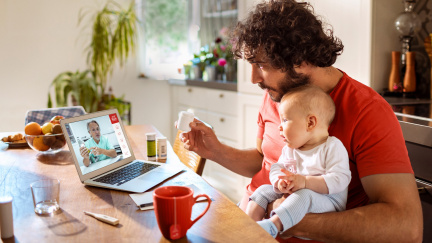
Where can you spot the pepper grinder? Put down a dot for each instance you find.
(409, 82)
(394, 78)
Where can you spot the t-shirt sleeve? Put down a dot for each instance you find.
(337, 172)
(379, 146)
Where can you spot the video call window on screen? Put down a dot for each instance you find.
(98, 134)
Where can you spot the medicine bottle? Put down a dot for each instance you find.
(82, 144)
(151, 146)
(161, 147)
(185, 118)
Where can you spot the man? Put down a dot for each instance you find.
(98, 145)
(287, 47)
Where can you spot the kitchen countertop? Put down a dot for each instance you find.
(222, 85)
(415, 118)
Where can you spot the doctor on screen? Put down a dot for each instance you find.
(97, 148)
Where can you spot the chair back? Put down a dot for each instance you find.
(191, 159)
(44, 115)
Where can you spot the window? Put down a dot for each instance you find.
(176, 29)
(169, 35)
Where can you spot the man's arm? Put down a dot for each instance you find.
(394, 215)
(110, 153)
(202, 140)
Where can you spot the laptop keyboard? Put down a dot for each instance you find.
(127, 173)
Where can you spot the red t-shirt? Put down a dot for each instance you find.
(366, 125)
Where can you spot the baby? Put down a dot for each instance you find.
(316, 172)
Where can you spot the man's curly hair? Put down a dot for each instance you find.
(288, 33)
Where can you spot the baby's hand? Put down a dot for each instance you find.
(294, 182)
(283, 186)
(287, 172)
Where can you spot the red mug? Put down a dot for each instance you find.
(173, 210)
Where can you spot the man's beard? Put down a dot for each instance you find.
(286, 85)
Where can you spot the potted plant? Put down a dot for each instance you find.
(113, 39)
(81, 86)
(114, 36)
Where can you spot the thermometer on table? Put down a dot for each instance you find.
(103, 218)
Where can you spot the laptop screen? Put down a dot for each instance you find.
(97, 142)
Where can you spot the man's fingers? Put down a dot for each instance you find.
(200, 126)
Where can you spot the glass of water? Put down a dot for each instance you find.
(46, 194)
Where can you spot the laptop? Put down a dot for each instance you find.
(116, 168)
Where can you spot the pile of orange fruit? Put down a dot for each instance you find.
(47, 136)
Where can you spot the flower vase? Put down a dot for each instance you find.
(231, 71)
(187, 71)
(196, 72)
(211, 73)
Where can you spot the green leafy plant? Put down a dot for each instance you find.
(81, 86)
(114, 36)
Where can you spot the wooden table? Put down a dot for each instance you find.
(224, 222)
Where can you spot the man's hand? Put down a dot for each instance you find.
(84, 152)
(201, 139)
(98, 151)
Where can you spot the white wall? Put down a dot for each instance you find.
(350, 22)
(40, 39)
(366, 28)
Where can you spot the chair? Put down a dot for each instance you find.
(191, 159)
(44, 115)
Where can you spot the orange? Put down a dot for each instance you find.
(39, 144)
(33, 128)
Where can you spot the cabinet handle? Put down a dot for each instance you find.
(222, 119)
(190, 90)
(221, 95)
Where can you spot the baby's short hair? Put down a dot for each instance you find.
(312, 99)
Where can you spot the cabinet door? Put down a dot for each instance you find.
(229, 183)
(247, 119)
(222, 101)
(223, 125)
(192, 96)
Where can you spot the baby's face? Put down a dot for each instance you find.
(293, 127)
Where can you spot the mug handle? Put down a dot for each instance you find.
(205, 210)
